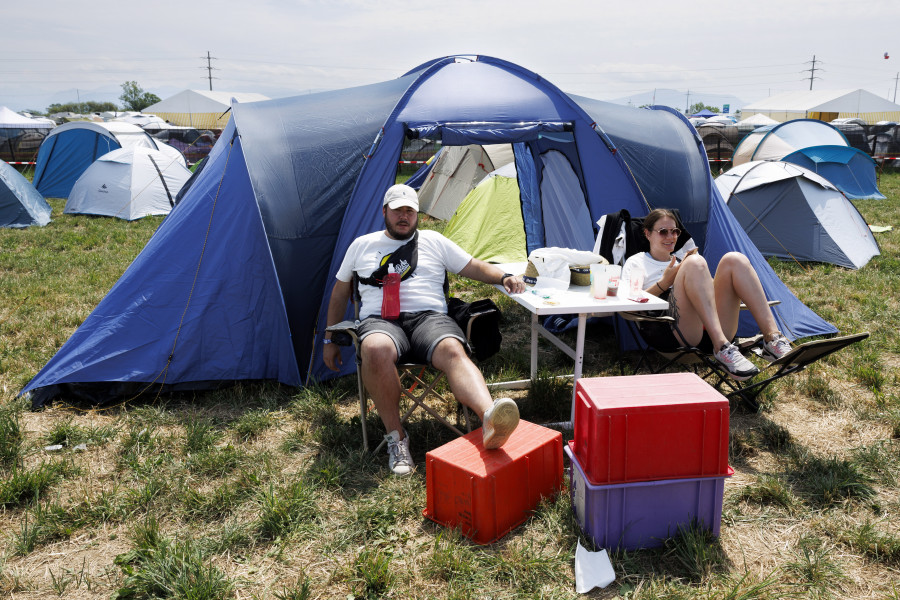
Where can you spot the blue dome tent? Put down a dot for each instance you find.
(243, 266)
(851, 170)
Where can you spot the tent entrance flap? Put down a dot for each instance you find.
(485, 132)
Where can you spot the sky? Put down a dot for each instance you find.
(55, 52)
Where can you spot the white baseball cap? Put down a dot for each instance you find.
(401, 195)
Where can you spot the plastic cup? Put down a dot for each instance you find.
(599, 281)
(636, 285)
(615, 274)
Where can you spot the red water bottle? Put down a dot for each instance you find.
(390, 290)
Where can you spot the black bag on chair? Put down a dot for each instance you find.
(480, 321)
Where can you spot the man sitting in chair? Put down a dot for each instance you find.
(704, 308)
(423, 332)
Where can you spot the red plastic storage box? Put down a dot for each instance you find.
(486, 493)
(648, 427)
(630, 516)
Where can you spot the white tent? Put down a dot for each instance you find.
(791, 213)
(13, 120)
(456, 172)
(198, 108)
(144, 121)
(128, 183)
(826, 105)
(757, 120)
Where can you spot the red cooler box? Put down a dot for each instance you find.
(486, 493)
(650, 427)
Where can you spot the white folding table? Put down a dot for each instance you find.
(574, 300)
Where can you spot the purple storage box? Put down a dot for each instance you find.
(629, 516)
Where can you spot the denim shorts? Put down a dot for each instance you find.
(662, 336)
(415, 334)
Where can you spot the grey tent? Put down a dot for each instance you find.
(456, 172)
(791, 213)
(20, 204)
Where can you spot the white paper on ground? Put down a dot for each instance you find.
(592, 569)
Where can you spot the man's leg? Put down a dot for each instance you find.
(379, 373)
(465, 378)
(499, 418)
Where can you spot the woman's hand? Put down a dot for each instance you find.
(668, 276)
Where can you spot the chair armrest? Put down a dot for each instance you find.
(641, 317)
(344, 333)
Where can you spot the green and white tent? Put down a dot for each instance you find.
(489, 223)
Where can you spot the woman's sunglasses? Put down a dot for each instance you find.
(664, 232)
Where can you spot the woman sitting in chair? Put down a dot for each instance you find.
(704, 308)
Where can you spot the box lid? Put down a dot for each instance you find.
(634, 392)
(468, 452)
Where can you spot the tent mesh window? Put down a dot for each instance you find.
(20, 145)
(720, 143)
(857, 135)
(414, 154)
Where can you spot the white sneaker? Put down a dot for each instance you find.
(777, 347)
(399, 458)
(738, 366)
(500, 421)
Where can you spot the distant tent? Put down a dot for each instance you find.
(774, 142)
(199, 108)
(886, 144)
(70, 149)
(129, 183)
(20, 137)
(826, 105)
(455, 172)
(146, 122)
(851, 170)
(757, 120)
(20, 204)
(719, 141)
(704, 113)
(791, 213)
(856, 131)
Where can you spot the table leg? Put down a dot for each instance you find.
(534, 345)
(579, 359)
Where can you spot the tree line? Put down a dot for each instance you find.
(133, 98)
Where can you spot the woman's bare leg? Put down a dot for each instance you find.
(736, 280)
(695, 300)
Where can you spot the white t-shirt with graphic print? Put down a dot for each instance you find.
(424, 289)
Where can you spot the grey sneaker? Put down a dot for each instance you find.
(735, 363)
(399, 459)
(777, 347)
(500, 421)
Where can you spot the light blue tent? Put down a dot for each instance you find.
(851, 170)
(20, 204)
(235, 283)
(68, 150)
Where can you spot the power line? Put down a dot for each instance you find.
(812, 72)
(209, 68)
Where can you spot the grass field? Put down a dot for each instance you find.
(261, 491)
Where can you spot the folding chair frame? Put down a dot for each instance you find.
(800, 357)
